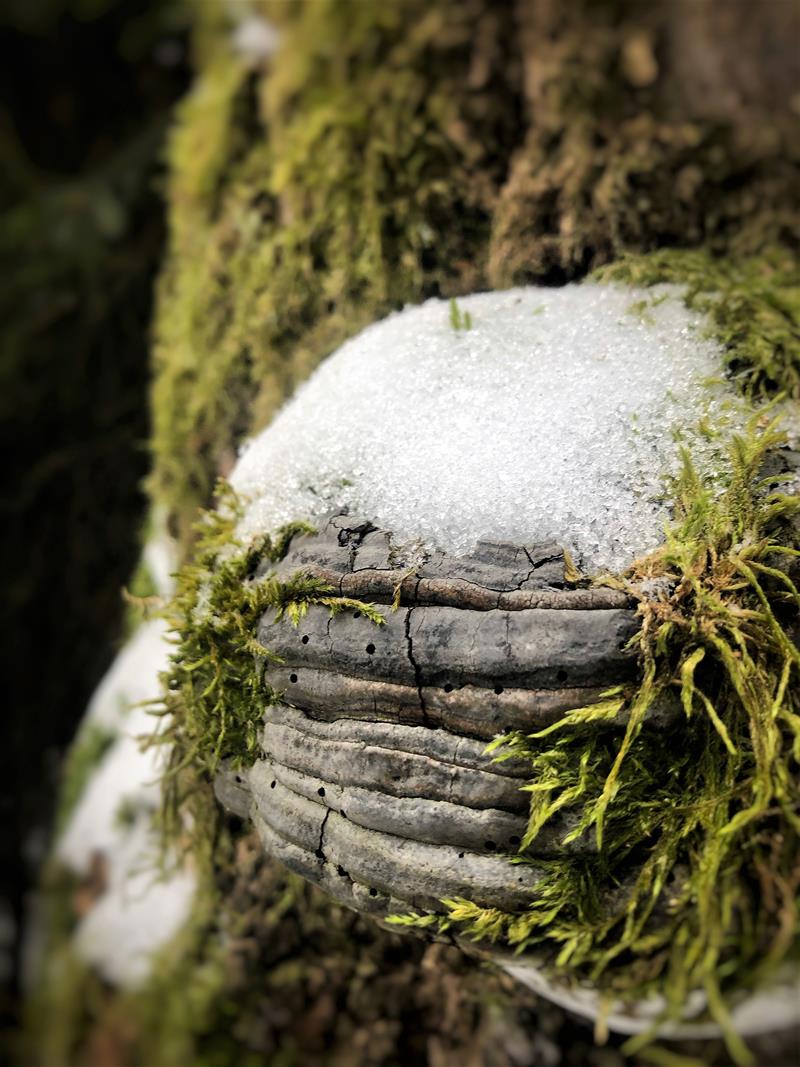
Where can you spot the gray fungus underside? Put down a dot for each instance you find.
(375, 783)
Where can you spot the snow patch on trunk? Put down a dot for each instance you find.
(146, 897)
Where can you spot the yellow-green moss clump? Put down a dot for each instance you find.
(694, 886)
(697, 882)
(753, 306)
(354, 174)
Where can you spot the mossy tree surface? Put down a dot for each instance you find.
(384, 154)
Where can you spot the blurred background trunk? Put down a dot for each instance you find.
(87, 92)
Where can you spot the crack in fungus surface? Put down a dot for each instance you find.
(415, 665)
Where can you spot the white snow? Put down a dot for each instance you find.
(255, 39)
(142, 906)
(552, 418)
(770, 1010)
(131, 678)
(127, 775)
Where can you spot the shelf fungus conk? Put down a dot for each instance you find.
(375, 782)
(464, 466)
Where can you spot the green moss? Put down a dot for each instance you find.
(459, 320)
(753, 306)
(141, 598)
(604, 168)
(695, 879)
(385, 155)
(64, 991)
(59, 1010)
(390, 152)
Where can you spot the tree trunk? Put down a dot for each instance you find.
(382, 154)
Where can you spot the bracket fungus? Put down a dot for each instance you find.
(507, 710)
(375, 781)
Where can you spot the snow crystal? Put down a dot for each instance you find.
(552, 417)
(141, 908)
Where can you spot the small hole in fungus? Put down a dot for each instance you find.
(373, 892)
(513, 840)
(356, 614)
(448, 688)
(341, 871)
(370, 649)
(321, 791)
(561, 676)
(490, 846)
(272, 784)
(461, 855)
(305, 639)
(239, 779)
(343, 814)
(320, 854)
(292, 677)
(498, 689)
